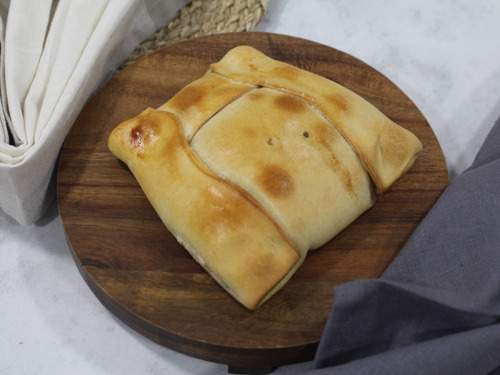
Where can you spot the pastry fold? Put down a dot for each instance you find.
(258, 162)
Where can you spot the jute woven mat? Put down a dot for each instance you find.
(203, 17)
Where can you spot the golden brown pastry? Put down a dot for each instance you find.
(258, 162)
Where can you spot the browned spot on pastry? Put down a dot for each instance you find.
(145, 133)
(252, 67)
(290, 103)
(255, 95)
(136, 136)
(345, 178)
(286, 71)
(276, 181)
(188, 97)
(327, 136)
(249, 132)
(339, 101)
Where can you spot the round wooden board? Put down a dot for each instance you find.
(140, 273)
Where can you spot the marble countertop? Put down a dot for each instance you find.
(443, 54)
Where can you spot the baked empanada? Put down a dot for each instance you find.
(258, 162)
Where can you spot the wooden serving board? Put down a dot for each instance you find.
(142, 275)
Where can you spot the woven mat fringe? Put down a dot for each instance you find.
(200, 18)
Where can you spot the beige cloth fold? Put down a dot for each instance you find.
(54, 54)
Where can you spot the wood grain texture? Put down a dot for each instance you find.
(140, 273)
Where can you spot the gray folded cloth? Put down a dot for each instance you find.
(436, 309)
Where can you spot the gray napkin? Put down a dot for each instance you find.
(436, 309)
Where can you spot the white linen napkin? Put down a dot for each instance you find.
(53, 56)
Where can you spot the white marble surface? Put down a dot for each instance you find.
(443, 54)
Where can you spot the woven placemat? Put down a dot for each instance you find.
(200, 18)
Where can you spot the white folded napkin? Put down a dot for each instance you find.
(53, 56)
